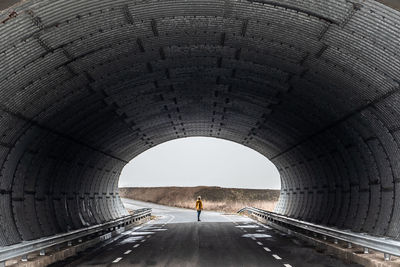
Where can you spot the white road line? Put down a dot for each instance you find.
(127, 252)
(148, 236)
(137, 228)
(265, 226)
(253, 238)
(259, 243)
(135, 246)
(170, 220)
(143, 240)
(287, 265)
(276, 257)
(117, 260)
(267, 249)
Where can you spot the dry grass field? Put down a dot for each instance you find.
(392, 3)
(214, 198)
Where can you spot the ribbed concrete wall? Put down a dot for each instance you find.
(86, 85)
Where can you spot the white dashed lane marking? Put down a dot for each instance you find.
(265, 226)
(135, 246)
(258, 242)
(127, 252)
(117, 260)
(276, 257)
(143, 240)
(257, 236)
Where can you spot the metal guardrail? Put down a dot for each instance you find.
(26, 247)
(387, 246)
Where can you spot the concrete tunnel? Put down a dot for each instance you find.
(87, 85)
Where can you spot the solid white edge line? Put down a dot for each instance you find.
(276, 257)
(117, 260)
(127, 252)
(267, 249)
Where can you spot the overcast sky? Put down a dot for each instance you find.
(197, 161)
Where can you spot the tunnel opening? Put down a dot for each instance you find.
(200, 161)
(87, 86)
(228, 176)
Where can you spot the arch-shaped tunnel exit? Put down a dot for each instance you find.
(87, 85)
(200, 161)
(227, 175)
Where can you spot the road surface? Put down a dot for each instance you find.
(175, 238)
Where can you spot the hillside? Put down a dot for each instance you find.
(214, 198)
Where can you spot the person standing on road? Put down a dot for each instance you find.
(199, 207)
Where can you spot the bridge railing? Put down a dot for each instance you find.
(387, 246)
(101, 231)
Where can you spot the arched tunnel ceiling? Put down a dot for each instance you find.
(87, 85)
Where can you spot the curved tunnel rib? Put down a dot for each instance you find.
(86, 86)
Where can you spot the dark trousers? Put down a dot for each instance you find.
(198, 215)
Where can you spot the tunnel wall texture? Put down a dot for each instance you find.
(87, 85)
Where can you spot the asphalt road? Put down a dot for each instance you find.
(175, 238)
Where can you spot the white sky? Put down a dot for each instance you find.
(197, 161)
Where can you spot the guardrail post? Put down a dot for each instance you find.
(2, 264)
(366, 250)
(42, 252)
(349, 245)
(69, 243)
(324, 237)
(335, 241)
(24, 258)
(387, 256)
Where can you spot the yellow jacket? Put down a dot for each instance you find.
(199, 205)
